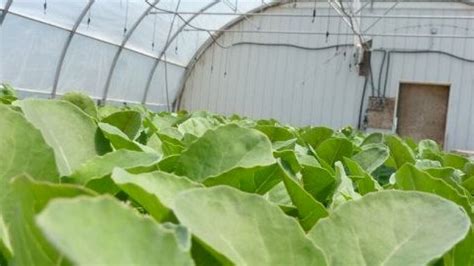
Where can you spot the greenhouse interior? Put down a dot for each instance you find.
(237, 132)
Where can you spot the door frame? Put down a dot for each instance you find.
(426, 83)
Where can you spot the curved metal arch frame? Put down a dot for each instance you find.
(206, 45)
(5, 11)
(122, 45)
(167, 45)
(66, 46)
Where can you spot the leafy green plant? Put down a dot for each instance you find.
(7, 94)
(82, 185)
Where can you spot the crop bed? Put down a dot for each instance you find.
(82, 185)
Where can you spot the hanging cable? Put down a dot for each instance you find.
(327, 25)
(314, 11)
(225, 60)
(386, 74)
(176, 46)
(361, 107)
(126, 19)
(379, 85)
(89, 17)
(212, 59)
(337, 36)
(45, 6)
(154, 33)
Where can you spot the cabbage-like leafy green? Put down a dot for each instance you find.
(391, 228)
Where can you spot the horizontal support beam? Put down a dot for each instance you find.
(340, 33)
(310, 15)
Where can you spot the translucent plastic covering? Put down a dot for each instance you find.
(117, 50)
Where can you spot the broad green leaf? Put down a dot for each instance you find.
(119, 140)
(196, 126)
(28, 197)
(289, 160)
(391, 228)
(172, 133)
(284, 145)
(344, 190)
(129, 122)
(334, 149)
(308, 157)
(166, 120)
(5, 244)
(168, 164)
(430, 155)
(155, 143)
(23, 150)
(410, 178)
(364, 181)
(84, 102)
(469, 168)
(7, 94)
(245, 228)
(449, 175)
(275, 133)
(259, 179)
(462, 253)
(469, 184)
(170, 146)
(372, 157)
(102, 166)
(374, 138)
(279, 195)
(309, 210)
(455, 161)
(203, 255)
(399, 150)
(104, 111)
(428, 145)
(223, 149)
(71, 133)
(314, 136)
(155, 191)
(318, 182)
(113, 234)
(427, 164)
(411, 143)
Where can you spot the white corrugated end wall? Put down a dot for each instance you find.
(307, 87)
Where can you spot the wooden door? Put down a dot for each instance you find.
(422, 111)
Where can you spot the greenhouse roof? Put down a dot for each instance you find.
(111, 49)
(149, 31)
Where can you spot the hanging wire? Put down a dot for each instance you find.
(45, 6)
(327, 25)
(177, 44)
(89, 17)
(154, 33)
(126, 19)
(212, 58)
(314, 12)
(226, 59)
(178, 25)
(337, 36)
